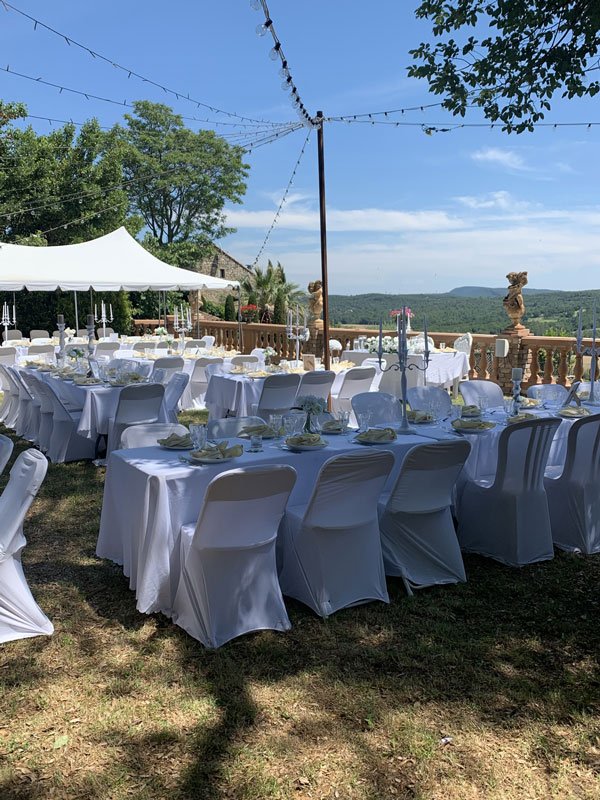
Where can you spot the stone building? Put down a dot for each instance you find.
(221, 265)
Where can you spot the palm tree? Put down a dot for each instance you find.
(266, 285)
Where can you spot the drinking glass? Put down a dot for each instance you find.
(289, 425)
(442, 345)
(364, 420)
(255, 443)
(198, 434)
(456, 411)
(275, 421)
(344, 418)
(508, 401)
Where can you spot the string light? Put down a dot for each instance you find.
(125, 104)
(179, 95)
(283, 201)
(445, 127)
(277, 52)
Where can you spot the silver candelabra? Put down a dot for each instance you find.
(592, 351)
(61, 339)
(182, 324)
(296, 332)
(6, 319)
(403, 364)
(104, 317)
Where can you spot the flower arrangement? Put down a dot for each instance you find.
(249, 312)
(69, 333)
(389, 344)
(76, 352)
(312, 406)
(407, 311)
(269, 352)
(160, 331)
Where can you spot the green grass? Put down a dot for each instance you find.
(119, 705)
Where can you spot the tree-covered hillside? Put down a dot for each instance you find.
(551, 313)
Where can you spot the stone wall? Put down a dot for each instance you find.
(221, 265)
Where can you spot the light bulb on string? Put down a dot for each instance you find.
(261, 30)
(274, 52)
(286, 84)
(284, 72)
(255, 5)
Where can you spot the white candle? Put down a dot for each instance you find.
(517, 374)
(380, 350)
(111, 312)
(425, 337)
(594, 327)
(304, 323)
(14, 314)
(579, 328)
(95, 311)
(297, 319)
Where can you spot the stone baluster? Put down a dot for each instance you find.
(483, 370)
(548, 366)
(563, 366)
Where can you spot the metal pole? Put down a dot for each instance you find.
(323, 223)
(76, 314)
(198, 314)
(240, 344)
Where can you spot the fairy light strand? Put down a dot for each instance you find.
(283, 200)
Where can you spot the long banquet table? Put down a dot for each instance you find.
(150, 493)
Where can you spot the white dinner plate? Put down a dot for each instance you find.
(301, 448)
(176, 447)
(467, 431)
(205, 461)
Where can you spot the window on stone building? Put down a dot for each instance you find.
(222, 271)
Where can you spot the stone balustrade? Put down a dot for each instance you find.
(544, 359)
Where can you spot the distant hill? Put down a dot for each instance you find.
(546, 313)
(488, 291)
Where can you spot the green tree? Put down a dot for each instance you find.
(180, 181)
(528, 51)
(279, 309)
(265, 285)
(230, 312)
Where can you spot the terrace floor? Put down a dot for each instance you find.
(488, 689)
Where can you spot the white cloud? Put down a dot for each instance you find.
(503, 158)
(501, 200)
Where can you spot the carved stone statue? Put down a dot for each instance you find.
(513, 302)
(315, 301)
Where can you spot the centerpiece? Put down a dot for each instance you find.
(312, 407)
(269, 353)
(409, 316)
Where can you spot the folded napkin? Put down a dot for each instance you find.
(471, 411)
(573, 411)
(529, 402)
(377, 435)
(260, 373)
(306, 440)
(258, 430)
(237, 370)
(472, 424)
(520, 418)
(176, 440)
(68, 376)
(332, 425)
(583, 395)
(414, 415)
(86, 381)
(218, 452)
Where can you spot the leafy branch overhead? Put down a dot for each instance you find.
(520, 54)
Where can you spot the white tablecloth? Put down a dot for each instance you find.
(150, 493)
(232, 395)
(445, 368)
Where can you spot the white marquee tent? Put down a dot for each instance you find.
(111, 262)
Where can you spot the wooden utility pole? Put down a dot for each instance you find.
(323, 224)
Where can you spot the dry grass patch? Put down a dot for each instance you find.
(484, 690)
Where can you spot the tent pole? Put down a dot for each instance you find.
(76, 313)
(240, 344)
(198, 314)
(159, 318)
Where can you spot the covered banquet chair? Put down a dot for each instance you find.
(229, 427)
(506, 516)
(137, 404)
(574, 493)
(548, 391)
(8, 355)
(384, 408)
(20, 615)
(278, 395)
(228, 583)
(9, 410)
(417, 532)
(355, 381)
(166, 367)
(433, 399)
(330, 548)
(6, 448)
(58, 428)
(9, 336)
(209, 341)
(317, 383)
(239, 361)
(195, 344)
(199, 380)
(38, 334)
(478, 392)
(173, 391)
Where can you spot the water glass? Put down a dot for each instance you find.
(275, 421)
(344, 418)
(442, 345)
(364, 420)
(289, 424)
(456, 411)
(508, 403)
(255, 443)
(198, 434)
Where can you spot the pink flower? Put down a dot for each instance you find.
(409, 313)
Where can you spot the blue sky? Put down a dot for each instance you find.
(407, 212)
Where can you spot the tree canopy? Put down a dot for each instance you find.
(524, 52)
(179, 181)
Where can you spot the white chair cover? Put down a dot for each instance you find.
(199, 380)
(38, 334)
(44, 395)
(477, 391)
(147, 435)
(356, 381)
(384, 408)
(8, 336)
(6, 448)
(209, 341)
(259, 352)
(142, 347)
(278, 395)
(464, 343)
(64, 444)
(23, 421)
(229, 427)
(137, 404)
(173, 392)
(82, 333)
(8, 355)
(356, 356)
(506, 517)
(107, 348)
(330, 549)
(543, 391)
(228, 584)
(195, 344)
(417, 532)
(317, 383)
(10, 402)
(32, 428)
(41, 350)
(249, 359)
(433, 399)
(335, 346)
(100, 332)
(20, 616)
(574, 494)
(390, 381)
(166, 367)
